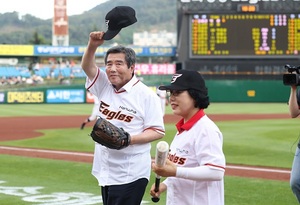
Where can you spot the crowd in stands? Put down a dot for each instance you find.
(34, 79)
(13, 75)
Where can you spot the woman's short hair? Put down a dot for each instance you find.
(201, 99)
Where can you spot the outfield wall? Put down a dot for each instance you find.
(237, 90)
(219, 91)
(247, 91)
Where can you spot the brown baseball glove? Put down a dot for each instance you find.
(108, 135)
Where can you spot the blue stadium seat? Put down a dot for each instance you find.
(43, 72)
(11, 71)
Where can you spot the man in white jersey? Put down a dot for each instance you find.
(196, 162)
(127, 103)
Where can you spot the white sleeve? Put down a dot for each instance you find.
(201, 173)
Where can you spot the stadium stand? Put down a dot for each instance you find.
(13, 75)
(66, 72)
(44, 72)
(11, 71)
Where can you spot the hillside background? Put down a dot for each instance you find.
(152, 16)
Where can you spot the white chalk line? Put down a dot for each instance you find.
(259, 169)
(47, 151)
(91, 155)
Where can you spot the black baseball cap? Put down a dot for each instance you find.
(185, 80)
(118, 18)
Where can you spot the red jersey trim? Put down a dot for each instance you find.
(181, 126)
(118, 92)
(136, 82)
(156, 130)
(124, 88)
(217, 166)
(94, 80)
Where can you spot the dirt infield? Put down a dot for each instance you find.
(27, 127)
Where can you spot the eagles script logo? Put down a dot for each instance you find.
(175, 76)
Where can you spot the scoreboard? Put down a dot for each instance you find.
(238, 39)
(239, 35)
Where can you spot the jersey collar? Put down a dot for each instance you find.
(127, 87)
(181, 126)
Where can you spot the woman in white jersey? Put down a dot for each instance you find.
(196, 163)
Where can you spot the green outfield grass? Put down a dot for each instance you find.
(264, 142)
(44, 109)
(54, 176)
(84, 109)
(252, 142)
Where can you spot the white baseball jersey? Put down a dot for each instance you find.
(135, 108)
(199, 144)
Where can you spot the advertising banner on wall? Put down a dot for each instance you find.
(25, 97)
(2, 97)
(65, 96)
(89, 97)
(42, 50)
(16, 50)
(155, 69)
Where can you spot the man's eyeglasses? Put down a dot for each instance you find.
(174, 92)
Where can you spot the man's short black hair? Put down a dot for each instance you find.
(130, 56)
